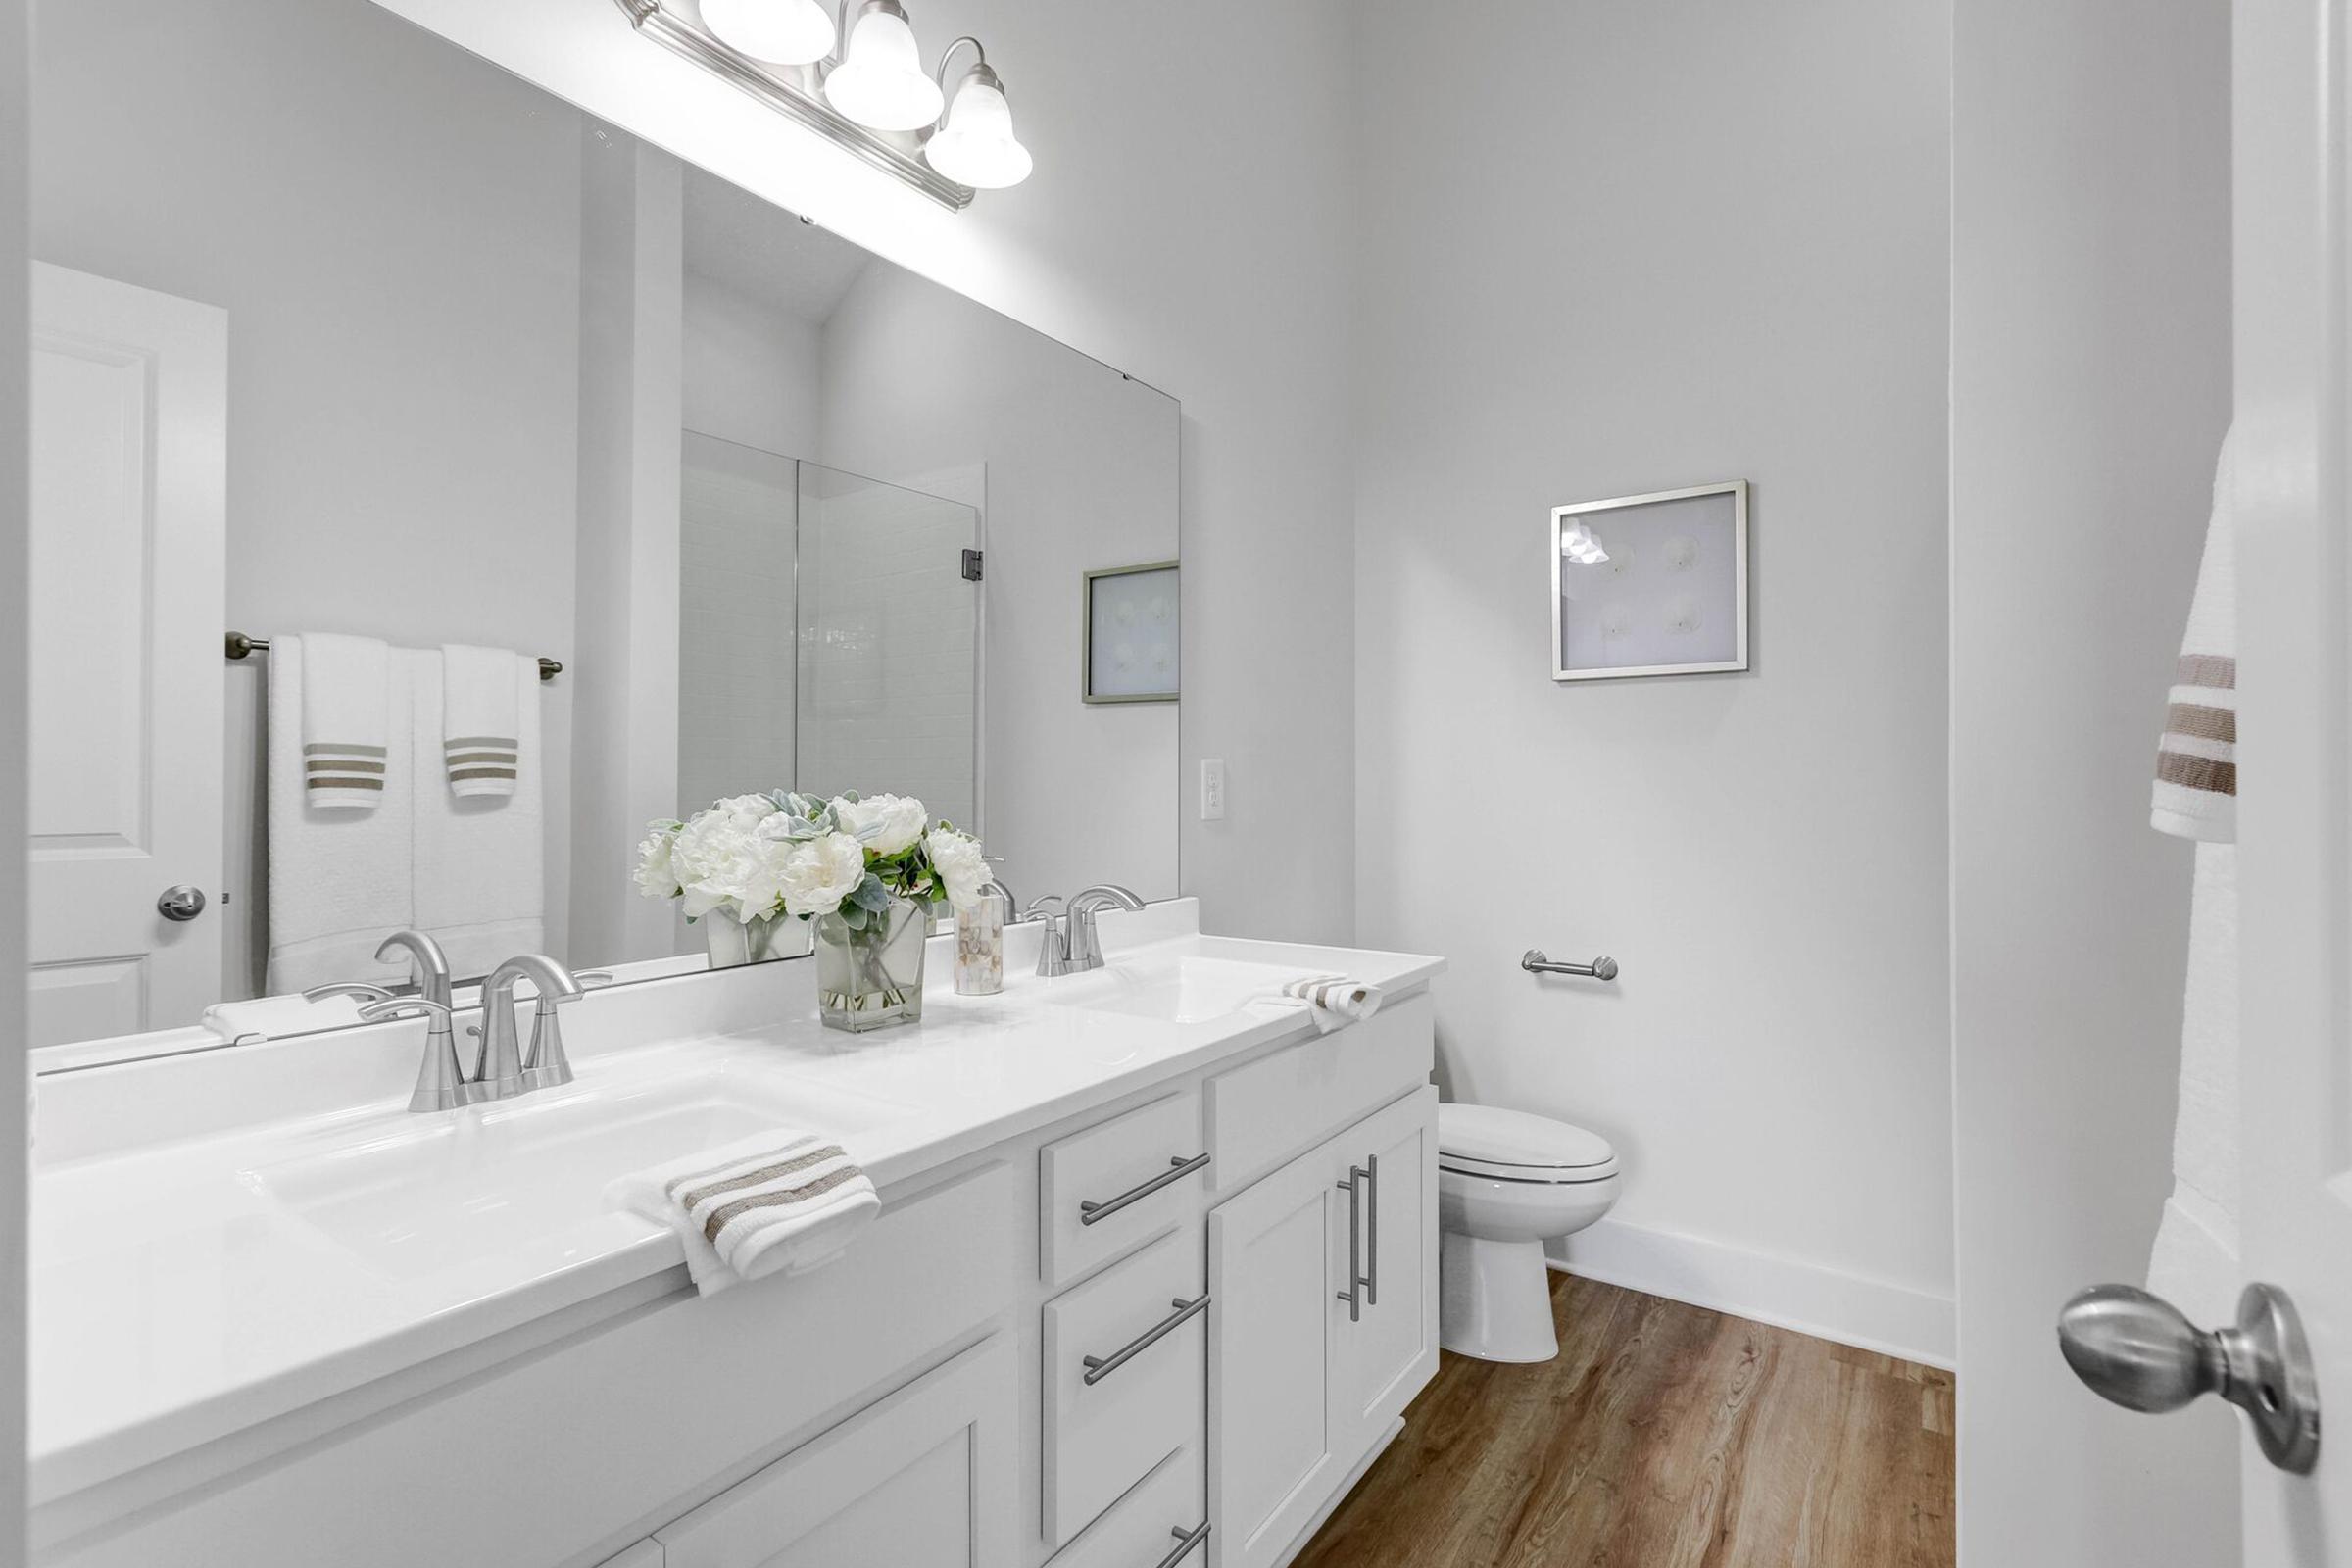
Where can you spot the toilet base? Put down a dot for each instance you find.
(1494, 1299)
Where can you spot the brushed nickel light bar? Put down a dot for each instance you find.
(854, 78)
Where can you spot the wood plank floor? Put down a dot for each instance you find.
(1664, 1436)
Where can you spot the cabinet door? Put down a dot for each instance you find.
(1272, 1463)
(923, 1479)
(1388, 1352)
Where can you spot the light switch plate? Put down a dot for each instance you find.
(1213, 789)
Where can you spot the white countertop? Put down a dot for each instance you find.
(262, 1260)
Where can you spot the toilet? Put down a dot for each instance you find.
(1508, 1182)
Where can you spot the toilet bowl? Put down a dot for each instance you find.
(1508, 1182)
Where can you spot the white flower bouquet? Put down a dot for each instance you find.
(867, 869)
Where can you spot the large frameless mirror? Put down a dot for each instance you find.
(548, 487)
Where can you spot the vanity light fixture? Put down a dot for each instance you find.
(855, 77)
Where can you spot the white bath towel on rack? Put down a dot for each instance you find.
(481, 864)
(481, 736)
(339, 879)
(2194, 1261)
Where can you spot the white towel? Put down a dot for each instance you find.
(339, 880)
(1334, 1000)
(344, 727)
(481, 736)
(480, 862)
(777, 1202)
(2195, 794)
(276, 1017)
(2195, 1262)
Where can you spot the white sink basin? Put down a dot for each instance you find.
(1174, 990)
(447, 1189)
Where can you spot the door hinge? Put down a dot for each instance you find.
(972, 565)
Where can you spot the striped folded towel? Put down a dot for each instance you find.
(481, 718)
(346, 693)
(1334, 1000)
(776, 1202)
(2195, 795)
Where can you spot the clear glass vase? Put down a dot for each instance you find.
(872, 978)
(734, 942)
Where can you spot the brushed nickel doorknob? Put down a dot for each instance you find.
(2139, 1352)
(181, 902)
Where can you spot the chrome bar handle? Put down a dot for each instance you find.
(1185, 1541)
(1098, 1367)
(1372, 1203)
(1533, 962)
(1354, 1294)
(1178, 1169)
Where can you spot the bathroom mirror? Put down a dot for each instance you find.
(344, 334)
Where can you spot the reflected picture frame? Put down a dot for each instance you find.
(1132, 627)
(1670, 597)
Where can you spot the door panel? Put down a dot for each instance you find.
(925, 1479)
(129, 396)
(1270, 1448)
(1384, 1357)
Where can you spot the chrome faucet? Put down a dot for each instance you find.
(503, 1069)
(1071, 944)
(429, 964)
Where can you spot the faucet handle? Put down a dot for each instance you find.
(543, 1064)
(407, 1007)
(348, 988)
(590, 980)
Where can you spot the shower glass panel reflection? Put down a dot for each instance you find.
(827, 638)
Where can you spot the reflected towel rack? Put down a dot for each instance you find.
(240, 646)
(1601, 968)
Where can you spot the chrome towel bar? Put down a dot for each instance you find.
(240, 646)
(1601, 968)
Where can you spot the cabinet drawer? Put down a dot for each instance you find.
(1122, 1168)
(1143, 1529)
(1262, 1115)
(1143, 1326)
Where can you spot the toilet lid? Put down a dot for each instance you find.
(1471, 1136)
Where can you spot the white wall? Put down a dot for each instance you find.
(15, 568)
(751, 372)
(1675, 243)
(1208, 261)
(1082, 471)
(402, 417)
(2091, 388)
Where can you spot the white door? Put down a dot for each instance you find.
(1272, 1463)
(130, 473)
(2293, 290)
(1386, 1352)
(923, 1479)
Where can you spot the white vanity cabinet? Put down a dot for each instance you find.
(1325, 1278)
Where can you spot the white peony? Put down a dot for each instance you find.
(657, 877)
(960, 864)
(816, 875)
(886, 824)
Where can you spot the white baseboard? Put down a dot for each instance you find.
(1827, 1303)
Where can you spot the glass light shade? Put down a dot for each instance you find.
(779, 32)
(977, 147)
(880, 81)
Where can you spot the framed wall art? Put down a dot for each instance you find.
(1651, 585)
(1130, 616)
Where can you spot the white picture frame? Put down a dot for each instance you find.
(1670, 595)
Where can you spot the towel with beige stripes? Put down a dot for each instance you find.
(481, 747)
(777, 1202)
(1334, 1000)
(2196, 760)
